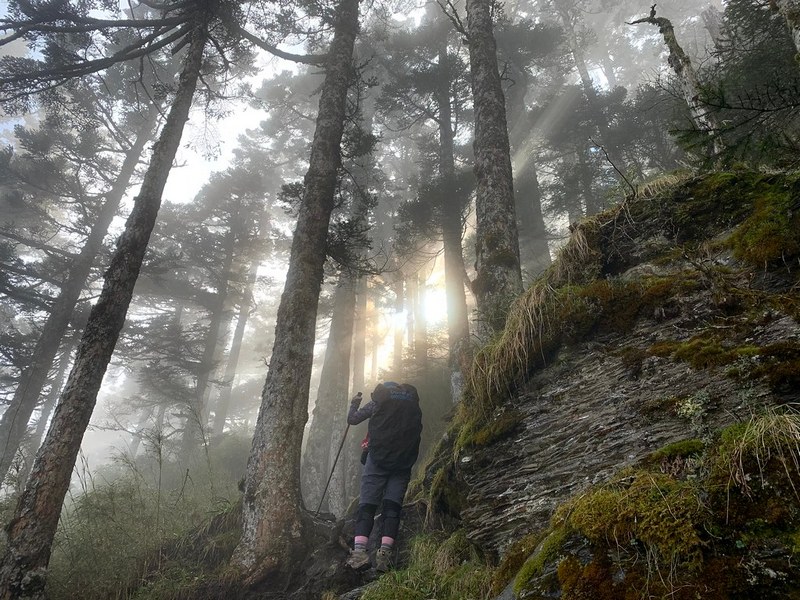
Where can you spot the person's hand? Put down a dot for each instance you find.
(356, 399)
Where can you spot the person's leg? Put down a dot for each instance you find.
(373, 484)
(391, 509)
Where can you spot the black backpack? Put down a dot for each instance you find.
(395, 427)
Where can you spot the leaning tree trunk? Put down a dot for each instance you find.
(790, 10)
(498, 279)
(701, 116)
(32, 528)
(35, 439)
(14, 421)
(272, 514)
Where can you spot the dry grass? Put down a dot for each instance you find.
(772, 436)
(531, 321)
(661, 183)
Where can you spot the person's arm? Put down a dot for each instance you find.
(356, 414)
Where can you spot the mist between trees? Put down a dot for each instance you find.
(412, 166)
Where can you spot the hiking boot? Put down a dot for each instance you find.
(358, 560)
(383, 560)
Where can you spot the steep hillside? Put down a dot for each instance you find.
(632, 432)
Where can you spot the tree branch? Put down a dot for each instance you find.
(308, 59)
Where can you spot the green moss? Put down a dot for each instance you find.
(653, 509)
(513, 559)
(682, 449)
(703, 351)
(446, 495)
(497, 429)
(772, 231)
(547, 551)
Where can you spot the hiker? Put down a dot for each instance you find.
(395, 425)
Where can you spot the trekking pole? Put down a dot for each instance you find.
(335, 460)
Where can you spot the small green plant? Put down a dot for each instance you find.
(445, 569)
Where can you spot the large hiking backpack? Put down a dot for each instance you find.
(395, 427)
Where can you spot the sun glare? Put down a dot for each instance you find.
(435, 305)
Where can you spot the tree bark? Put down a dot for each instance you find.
(272, 506)
(14, 421)
(790, 10)
(701, 117)
(499, 279)
(31, 529)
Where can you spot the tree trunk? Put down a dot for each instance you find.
(31, 529)
(375, 340)
(360, 336)
(35, 439)
(790, 10)
(459, 351)
(399, 301)
(272, 504)
(195, 430)
(332, 395)
(420, 324)
(588, 86)
(533, 246)
(702, 118)
(224, 400)
(14, 421)
(499, 279)
(712, 21)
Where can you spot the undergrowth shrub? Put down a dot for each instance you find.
(445, 569)
(146, 528)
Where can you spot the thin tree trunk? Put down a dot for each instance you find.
(31, 529)
(356, 434)
(702, 118)
(399, 301)
(360, 336)
(533, 247)
(459, 351)
(195, 431)
(223, 402)
(14, 421)
(420, 325)
(588, 85)
(272, 512)
(332, 395)
(499, 279)
(790, 10)
(375, 340)
(35, 439)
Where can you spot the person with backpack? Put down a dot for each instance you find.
(394, 432)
